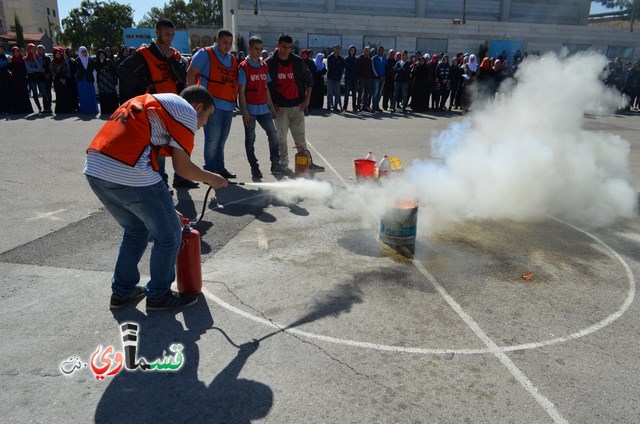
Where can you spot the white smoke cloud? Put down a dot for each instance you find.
(520, 157)
(525, 155)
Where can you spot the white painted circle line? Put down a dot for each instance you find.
(391, 348)
(546, 404)
(336, 340)
(318, 154)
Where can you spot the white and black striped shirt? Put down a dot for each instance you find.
(142, 174)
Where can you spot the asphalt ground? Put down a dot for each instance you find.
(305, 316)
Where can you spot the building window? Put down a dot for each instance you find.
(323, 42)
(622, 52)
(269, 39)
(432, 45)
(54, 13)
(577, 48)
(48, 12)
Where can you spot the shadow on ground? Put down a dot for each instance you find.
(179, 396)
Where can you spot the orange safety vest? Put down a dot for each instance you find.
(160, 71)
(222, 81)
(127, 133)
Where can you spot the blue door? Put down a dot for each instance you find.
(510, 46)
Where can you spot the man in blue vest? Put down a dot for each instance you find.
(217, 70)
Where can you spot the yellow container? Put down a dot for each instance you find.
(396, 163)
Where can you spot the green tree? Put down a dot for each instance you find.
(615, 4)
(631, 7)
(19, 32)
(206, 12)
(183, 14)
(96, 24)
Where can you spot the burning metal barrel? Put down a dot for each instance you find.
(398, 225)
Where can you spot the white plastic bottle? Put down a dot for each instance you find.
(370, 156)
(384, 167)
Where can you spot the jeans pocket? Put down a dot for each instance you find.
(130, 197)
(117, 194)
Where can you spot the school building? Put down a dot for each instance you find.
(430, 25)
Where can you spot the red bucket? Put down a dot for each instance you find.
(365, 169)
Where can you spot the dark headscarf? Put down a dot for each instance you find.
(58, 60)
(17, 58)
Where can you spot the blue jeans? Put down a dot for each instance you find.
(40, 89)
(142, 211)
(333, 94)
(377, 89)
(350, 87)
(401, 91)
(364, 93)
(267, 125)
(216, 132)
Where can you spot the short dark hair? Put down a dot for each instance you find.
(164, 23)
(285, 37)
(224, 33)
(255, 39)
(197, 94)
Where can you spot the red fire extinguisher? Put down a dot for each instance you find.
(303, 162)
(188, 268)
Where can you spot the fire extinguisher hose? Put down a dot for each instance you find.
(206, 197)
(204, 206)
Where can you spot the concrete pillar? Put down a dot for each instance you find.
(505, 10)
(230, 15)
(421, 8)
(331, 6)
(584, 13)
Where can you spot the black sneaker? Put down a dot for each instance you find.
(171, 300)
(316, 168)
(226, 174)
(184, 183)
(118, 302)
(255, 173)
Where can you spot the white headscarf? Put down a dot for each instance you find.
(473, 63)
(83, 59)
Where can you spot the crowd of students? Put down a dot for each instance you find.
(72, 75)
(371, 81)
(377, 80)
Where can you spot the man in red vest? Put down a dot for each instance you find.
(256, 106)
(217, 71)
(122, 170)
(158, 68)
(290, 89)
